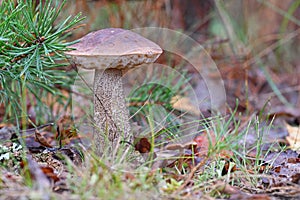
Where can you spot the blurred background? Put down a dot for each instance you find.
(255, 44)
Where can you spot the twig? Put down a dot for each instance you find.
(191, 174)
(73, 28)
(36, 128)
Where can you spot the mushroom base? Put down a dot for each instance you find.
(110, 112)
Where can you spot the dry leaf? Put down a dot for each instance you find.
(49, 172)
(66, 130)
(203, 141)
(294, 136)
(41, 139)
(184, 104)
(177, 146)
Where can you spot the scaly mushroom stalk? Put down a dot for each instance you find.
(110, 112)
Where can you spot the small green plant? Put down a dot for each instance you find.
(32, 63)
(153, 99)
(232, 159)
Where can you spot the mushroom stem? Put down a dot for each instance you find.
(110, 112)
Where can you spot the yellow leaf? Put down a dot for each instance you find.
(294, 136)
(184, 104)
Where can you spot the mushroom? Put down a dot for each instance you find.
(111, 52)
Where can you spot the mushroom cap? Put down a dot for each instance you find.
(113, 48)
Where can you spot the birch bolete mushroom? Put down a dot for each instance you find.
(111, 52)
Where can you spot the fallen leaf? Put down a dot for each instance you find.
(294, 136)
(38, 137)
(49, 172)
(177, 146)
(66, 130)
(284, 168)
(41, 139)
(203, 143)
(184, 104)
(236, 193)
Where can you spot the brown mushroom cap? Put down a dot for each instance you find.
(113, 48)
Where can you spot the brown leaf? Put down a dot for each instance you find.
(285, 168)
(129, 176)
(34, 137)
(294, 136)
(41, 139)
(203, 143)
(235, 193)
(66, 130)
(177, 146)
(49, 172)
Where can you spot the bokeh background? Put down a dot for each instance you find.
(255, 45)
